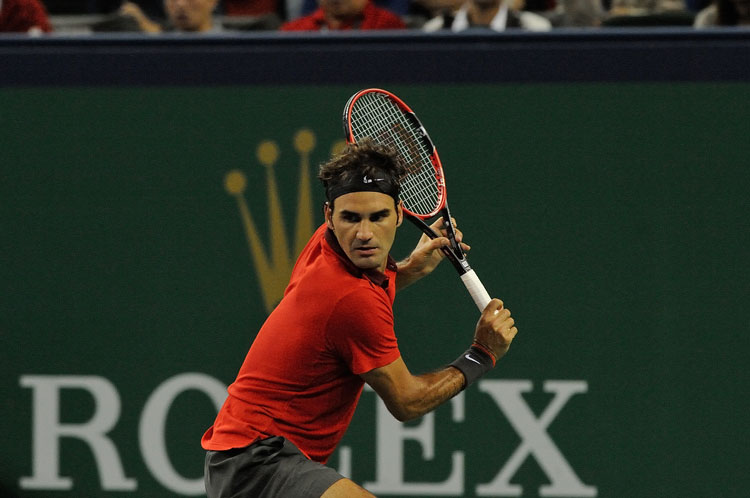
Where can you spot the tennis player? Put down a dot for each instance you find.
(297, 389)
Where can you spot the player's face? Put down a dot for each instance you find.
(190, 15)
(365, 226)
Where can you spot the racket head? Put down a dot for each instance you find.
(387, 120)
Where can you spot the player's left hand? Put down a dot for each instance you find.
(428, 250)
(427, 254)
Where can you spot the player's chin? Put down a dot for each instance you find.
(370, 262)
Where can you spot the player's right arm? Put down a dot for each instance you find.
(410, 396)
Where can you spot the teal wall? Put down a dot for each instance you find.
(610, 217)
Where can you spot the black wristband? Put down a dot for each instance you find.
(473, 364)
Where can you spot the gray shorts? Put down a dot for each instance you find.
(272, 467)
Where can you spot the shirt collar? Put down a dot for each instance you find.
(375, 276)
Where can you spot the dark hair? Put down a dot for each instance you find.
(364, 158)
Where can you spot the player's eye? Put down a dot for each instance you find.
(379, 216)
(350, 217)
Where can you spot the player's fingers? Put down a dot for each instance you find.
(499, 316)
(437, 225)
(441, 226)
(493, 308)
(501, 319)
(506, 324)
(459, 239)
(509, 334)
(436, 244)
(512, 332)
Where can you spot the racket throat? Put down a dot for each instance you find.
(453, 253)
(457, 259)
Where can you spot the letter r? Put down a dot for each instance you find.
(47, 431)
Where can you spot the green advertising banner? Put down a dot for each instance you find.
(147, 232)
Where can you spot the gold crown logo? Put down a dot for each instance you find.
(273, 265)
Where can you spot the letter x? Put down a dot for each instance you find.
(534, 439)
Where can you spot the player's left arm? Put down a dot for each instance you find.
(425, 257)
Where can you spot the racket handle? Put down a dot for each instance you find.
(476, 289)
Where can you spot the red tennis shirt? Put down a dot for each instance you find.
(300, 378)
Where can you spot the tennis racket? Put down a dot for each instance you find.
(386, 119)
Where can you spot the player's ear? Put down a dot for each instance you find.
(399, 213)
(328, 214)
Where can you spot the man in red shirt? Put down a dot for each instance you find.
(299, 385)
(24, 16)
(345, 14)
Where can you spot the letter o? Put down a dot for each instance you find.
(152, 423)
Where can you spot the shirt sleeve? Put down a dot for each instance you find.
(361, 330)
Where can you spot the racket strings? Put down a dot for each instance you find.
(376, 116)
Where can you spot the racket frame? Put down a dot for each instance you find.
(454, 253)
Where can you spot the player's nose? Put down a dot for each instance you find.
(364, 230)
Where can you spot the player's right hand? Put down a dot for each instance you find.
(495, 329)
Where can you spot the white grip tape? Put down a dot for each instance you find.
(476, 289)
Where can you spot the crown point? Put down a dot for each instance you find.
(304, 141)
(268, 153)
(235, 182)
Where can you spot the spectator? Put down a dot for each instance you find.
(644, 7)
(577, 13)
(191, 15)
(24, 16)
(495, 15)
(649, 13)
(399, 7)
(421, 11)
(345, 14)
(130, 17)
(182, 15)
(724, 13)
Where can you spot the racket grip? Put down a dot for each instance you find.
(476, 289)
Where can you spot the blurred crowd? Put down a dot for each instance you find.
(37, 17)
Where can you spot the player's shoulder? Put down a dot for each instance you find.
(361, 297)
(359, 312)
